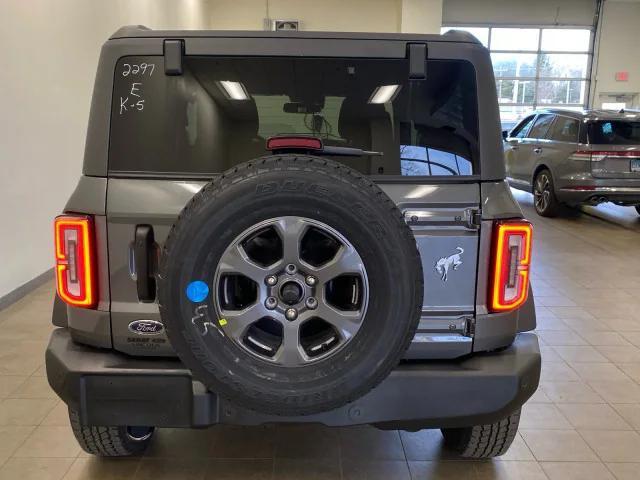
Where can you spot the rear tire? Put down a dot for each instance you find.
(110, 441)
(483, 441)
(544, 195)
(638, 209)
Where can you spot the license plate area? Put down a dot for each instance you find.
(635, 165)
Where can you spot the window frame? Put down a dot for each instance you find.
(538, 78)
(527, 122)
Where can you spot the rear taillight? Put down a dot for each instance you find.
(511, 260)
(75, 260)
(580, 155)
(597, 156)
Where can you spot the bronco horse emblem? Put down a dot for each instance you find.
(452, 261)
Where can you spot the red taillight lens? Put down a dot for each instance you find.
(511, 260)
(75, 260)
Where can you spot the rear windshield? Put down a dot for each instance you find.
(614, 132)
(221, 111)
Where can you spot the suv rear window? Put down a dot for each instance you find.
(221, 111)
(614, 132)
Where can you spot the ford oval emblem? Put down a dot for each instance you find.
(146, 327)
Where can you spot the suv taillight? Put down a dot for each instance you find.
(75, 260)
(511, 258)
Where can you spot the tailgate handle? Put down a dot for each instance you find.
(143, 250)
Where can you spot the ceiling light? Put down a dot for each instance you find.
(384, 93)
(234, 90)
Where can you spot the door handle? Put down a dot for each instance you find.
(537, 150)
(143, 261)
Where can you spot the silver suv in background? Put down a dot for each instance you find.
(568, 157)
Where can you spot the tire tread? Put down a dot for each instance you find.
(104, 441)
(484, 441)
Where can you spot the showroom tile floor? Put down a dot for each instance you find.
(583, 423)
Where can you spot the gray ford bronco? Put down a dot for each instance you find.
(277, 227)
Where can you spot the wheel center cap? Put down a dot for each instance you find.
(291, 293)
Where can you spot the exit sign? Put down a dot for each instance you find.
(622, 76)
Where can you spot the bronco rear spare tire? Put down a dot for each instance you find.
(290, 285)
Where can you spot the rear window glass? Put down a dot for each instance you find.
(221, 111)
(614, 132)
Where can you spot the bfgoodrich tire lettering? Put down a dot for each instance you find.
(308, 188)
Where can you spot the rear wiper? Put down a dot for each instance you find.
(308, 144)
(348, 151)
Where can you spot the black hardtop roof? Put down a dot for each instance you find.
(140, 31)
(593, 114)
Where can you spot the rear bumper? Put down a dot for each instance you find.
(618, 194)
(109, 388)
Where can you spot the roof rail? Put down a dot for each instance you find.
(127, 30)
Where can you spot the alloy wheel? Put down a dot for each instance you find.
(542, 192)
(291, 291)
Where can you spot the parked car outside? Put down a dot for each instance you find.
(575, 158)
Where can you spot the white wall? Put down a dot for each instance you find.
(618, 51)
(415, 16)
(318, 15)
(420, 16)
(49, 56)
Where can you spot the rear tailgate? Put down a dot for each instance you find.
(440, 215)
(615, 148)
(621, 162)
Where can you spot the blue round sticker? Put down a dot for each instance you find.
(197, 291)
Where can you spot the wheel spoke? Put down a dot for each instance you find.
(235, 260)
(237, 321)
(538, 200)
(545, 199)
(290, 351)
(291, 230)
(347, 322)
(542, 192)
(346, 261)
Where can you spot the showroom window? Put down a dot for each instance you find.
(536, 67)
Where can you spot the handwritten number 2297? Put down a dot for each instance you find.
(138, 69)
